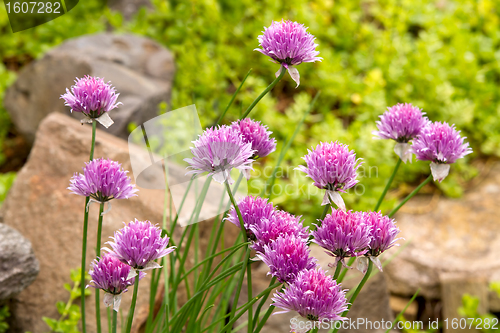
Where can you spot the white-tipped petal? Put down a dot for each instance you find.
(246, 173)
(132, 274)
(151, 265)
(105, 120)
(439, 171)
(108, 209)
(362, 264)
(377, 263)
(301, 325)
(336, 198)
(279, 71)
(403, 150)
(294, 73)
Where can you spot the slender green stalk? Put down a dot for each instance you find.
(232, 98)
(113, 326)
(264, 319)
(409, 196)
(247, 306)
(403, 311)
(130, 317)
(337, 270)
(84, 239)
(325, 211)
(261, 304)
(314, 330)
(250, 296)
(356, 293)
(98, 254)
(264, 93)
(344, 272)
(388, 185)
(94, 127)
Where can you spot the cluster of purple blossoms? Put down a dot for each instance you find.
(138, 244)
(332, 167)
(289, 44)
(442, 145)
(112, 276)
(92, 97)
(281, 223)
(102, 180)
(401, 123)
(383, 232)
(356, 234)
(315, 296)
(343, 234)
(286, 256)
(257, 134)
(252, 209)
(217, 151)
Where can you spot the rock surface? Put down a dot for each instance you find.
(18, 264)
(457, 236)
(48, 215)
(141, 70)
(129, 7)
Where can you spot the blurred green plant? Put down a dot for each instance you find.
(469, 309)
(70, 313)
(4, 315)
(6, 181)
(434, 54)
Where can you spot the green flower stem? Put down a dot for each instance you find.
(98, 254)
(325, 211)
(261, 304)
(337, 270)
(84, 239)
(264, 319)
(250, 293)
(356, 292)
(246, 307)
(344, 272)
(130, 317)
(245, 260)
(264, 93)
(232, 98)
(388, 185)
(409, 196)
(113, 327)
(314, 330)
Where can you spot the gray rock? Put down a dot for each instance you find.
(448, 236)
(129, 7)
(141, 70)
(18, 264)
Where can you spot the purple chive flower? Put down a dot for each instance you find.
(289, 44)
(315, 296)
(286, 256)
(257, 134)
(102, 180)
(279, 224)
(92, 97)
(441, 144)
(252, 209)
(139, 244)
(383, 232)
(332, 167)
(111, 275)
(402, 123)
(217, 151)
(343, 234)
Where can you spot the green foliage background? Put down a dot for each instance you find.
(440, 55)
